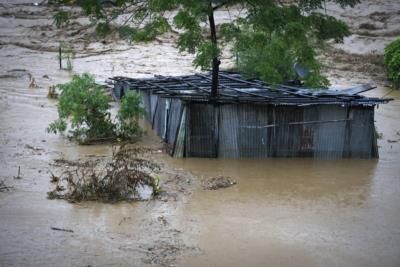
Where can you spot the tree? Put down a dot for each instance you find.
(268, 40)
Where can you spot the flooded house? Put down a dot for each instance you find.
(250, 118)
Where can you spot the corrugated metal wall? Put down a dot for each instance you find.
(257, 130)
(200, 130)
(308, 130)
(228, 132)
(153, 105)
(159, 121)
(248, 130)
(329, 137)
(174, 117)
(117, 90)
(360, 134)
(287, 137)
(179, 147)
(253, 130)
(146, 103)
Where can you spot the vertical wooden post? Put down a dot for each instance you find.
(60, 57)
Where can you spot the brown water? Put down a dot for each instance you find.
(282, 212)
(302, 212)
(297, 213)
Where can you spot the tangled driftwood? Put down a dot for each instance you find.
(120, 178)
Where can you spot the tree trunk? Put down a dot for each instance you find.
(215, 61)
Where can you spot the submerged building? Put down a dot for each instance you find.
(250, 118)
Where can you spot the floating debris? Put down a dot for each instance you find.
(61, 229)
(52, 93)
(216, 183)
(33, 83)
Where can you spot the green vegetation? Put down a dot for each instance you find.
(83, 110)
(273, 38)
(128, 116)
(392, 62)
(61, 18)
(268, 40)
(67, 54)
(103, 29)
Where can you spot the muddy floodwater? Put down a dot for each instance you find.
(281, 212)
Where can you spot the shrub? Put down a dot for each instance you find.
(67, 54)
(83, 108)
(128, 116)
(392, 62)
(83, 111)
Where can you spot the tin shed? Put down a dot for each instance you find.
(250, 118)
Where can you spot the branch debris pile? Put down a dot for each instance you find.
(121, 178)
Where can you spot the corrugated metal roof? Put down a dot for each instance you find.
(233, 88)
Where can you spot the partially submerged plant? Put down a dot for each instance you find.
(121, 178)
(67, 53)
(83, 111)
(128, 116)
(83, 108)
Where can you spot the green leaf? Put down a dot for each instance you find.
(131, 110)
(103, 29)
(83, 108)
(61, 18)
(206, 52)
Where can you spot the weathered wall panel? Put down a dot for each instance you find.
(125, 89)
(287, 138)
(253, 130)
(361, 133)
(153, 106)
(330, 133)
(146, 103)
(174, 115)
(200, 131)
(159, 125)
(179, 148)
(308, 131)
(228, 131)
(117, 90)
